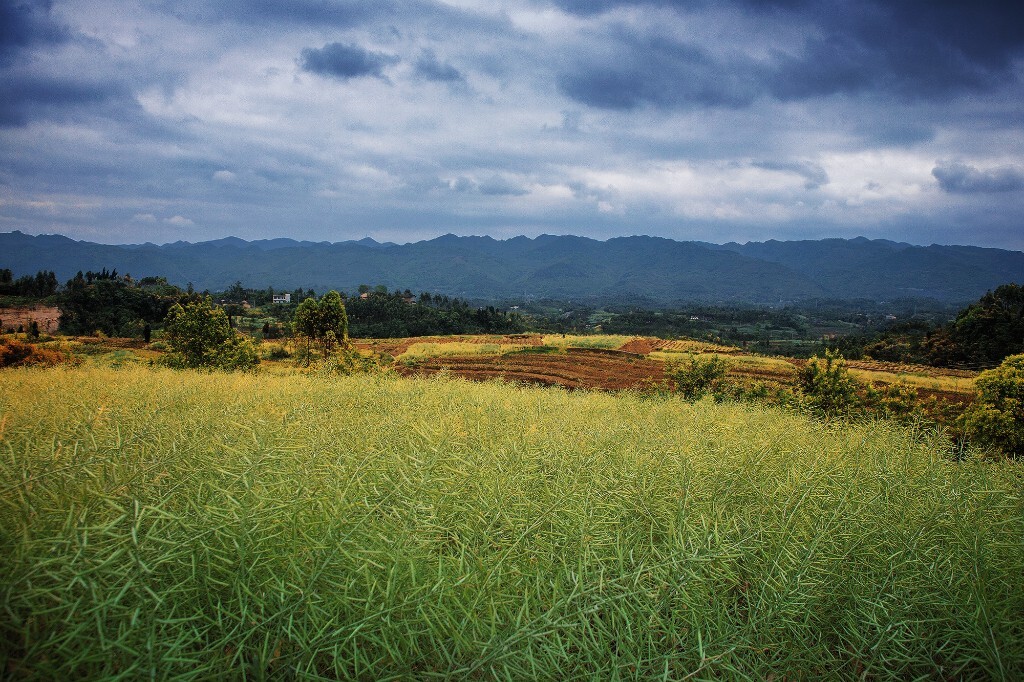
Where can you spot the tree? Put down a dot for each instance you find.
(199, 336)
(996, 418)
(324, 322)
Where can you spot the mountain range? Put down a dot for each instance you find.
(648, 269)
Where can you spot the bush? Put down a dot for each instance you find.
(14, 353)
(199, 335)
(276, 352)
(829, 389)
(697, 377)
(344, 359)
(898, 402)
(996, 419)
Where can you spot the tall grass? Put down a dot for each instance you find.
(428, 350)
(181, 525)
(951, 384)
(605, 341)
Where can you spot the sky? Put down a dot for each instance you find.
(735, 120)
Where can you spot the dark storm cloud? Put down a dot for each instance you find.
(710, 119)
(959, 178)
(911, 50)
(428, 67)
(895, 134)
(27, 24)
(659, 71)
(29, 35)
(813, 174)
(25, 99)
(345, 61)
(273, 14)
(258, 12)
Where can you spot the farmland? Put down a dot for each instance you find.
(378, 527)
(624, 362)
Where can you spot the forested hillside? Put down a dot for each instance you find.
(649, 269)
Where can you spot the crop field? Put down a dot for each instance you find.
(647, 345)
(622, 362)
(398, 347)
(182, 525)
(604, 341)
(578, 368)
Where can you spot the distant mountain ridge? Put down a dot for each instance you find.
(650, 269)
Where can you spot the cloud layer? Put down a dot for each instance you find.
(136, 121)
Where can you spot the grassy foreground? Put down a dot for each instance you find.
(172, 524)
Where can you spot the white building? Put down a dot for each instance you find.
(282, 298)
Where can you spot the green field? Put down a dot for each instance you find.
(161, 524)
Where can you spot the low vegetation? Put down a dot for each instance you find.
(16, 353)
(997, 417)
(226, 525)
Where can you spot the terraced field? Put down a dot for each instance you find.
(638, 362)
(577, 368)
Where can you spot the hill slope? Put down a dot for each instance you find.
(564, 267)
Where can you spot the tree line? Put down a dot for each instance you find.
(40, 285)
(980, 336)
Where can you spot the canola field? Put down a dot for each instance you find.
(180, 525)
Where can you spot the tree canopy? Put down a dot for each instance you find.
(199, 336)
(986, 332)
(324, 321)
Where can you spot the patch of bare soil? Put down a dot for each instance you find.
(47, 318)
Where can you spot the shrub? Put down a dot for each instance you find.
(199, 335)
(276, 352)
(14, 353)
(996, 418)
(694, 379)
(897, 401)
(828, 386)
(344, 359)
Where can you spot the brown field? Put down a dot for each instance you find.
(898, 368)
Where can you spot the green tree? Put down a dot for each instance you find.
(199, 336)
(323, 321)
(828, 386)
(996, 418)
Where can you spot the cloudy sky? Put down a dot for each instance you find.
(128, 121)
